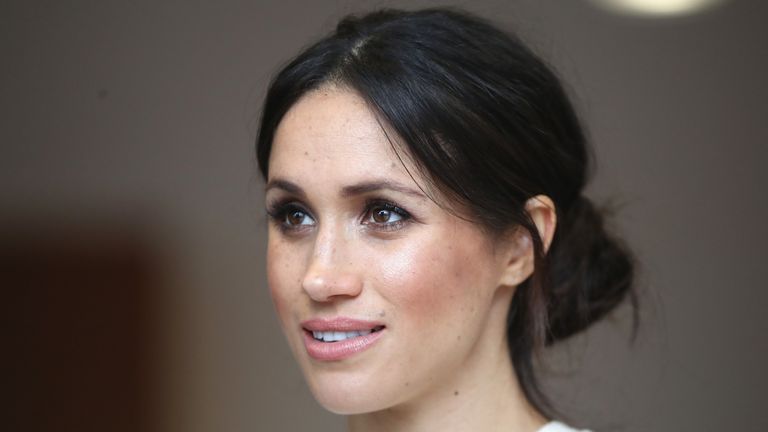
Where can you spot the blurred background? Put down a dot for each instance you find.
(132, 231)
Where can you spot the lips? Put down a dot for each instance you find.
(339, 338)
(336, 336)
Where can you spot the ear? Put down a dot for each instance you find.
(519, 254)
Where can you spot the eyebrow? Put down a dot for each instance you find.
(366, 187)
(347, 191)
(285, 185)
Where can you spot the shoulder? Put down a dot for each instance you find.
(556, 426)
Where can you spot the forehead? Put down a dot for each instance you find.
(332, 131)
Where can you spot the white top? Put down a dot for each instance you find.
(556, 426)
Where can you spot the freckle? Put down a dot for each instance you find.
(306, 153)
(456, 393)
(458, 338)
(407, 383)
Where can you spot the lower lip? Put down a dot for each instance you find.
(339, 350)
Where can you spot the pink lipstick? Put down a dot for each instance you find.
(339, 338)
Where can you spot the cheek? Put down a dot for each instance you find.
(283, 277)
(434, 279)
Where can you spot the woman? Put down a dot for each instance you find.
(423, 177)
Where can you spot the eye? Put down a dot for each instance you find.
(295, 217)
(383, 215)
(290, 216)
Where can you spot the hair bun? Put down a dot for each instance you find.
(591, 271)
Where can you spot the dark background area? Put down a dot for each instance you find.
(132, 229)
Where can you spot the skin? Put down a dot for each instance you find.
(438, 283)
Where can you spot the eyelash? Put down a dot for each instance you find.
(278, 212)
(405, 217)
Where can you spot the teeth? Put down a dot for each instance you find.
(334, 336)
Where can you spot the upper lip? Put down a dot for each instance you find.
(339, 324)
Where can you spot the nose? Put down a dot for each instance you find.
(330, 276)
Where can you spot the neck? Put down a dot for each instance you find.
(485, 396)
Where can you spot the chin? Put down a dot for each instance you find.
(346, 393)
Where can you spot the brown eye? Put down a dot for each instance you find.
(296, 217)
(385, 214)
(381, 215)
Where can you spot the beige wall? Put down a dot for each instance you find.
(148, 110)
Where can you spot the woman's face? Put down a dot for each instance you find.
(384, 296)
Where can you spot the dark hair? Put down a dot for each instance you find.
(489, 125)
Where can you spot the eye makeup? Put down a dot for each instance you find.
(379, 215)
(290, 216)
